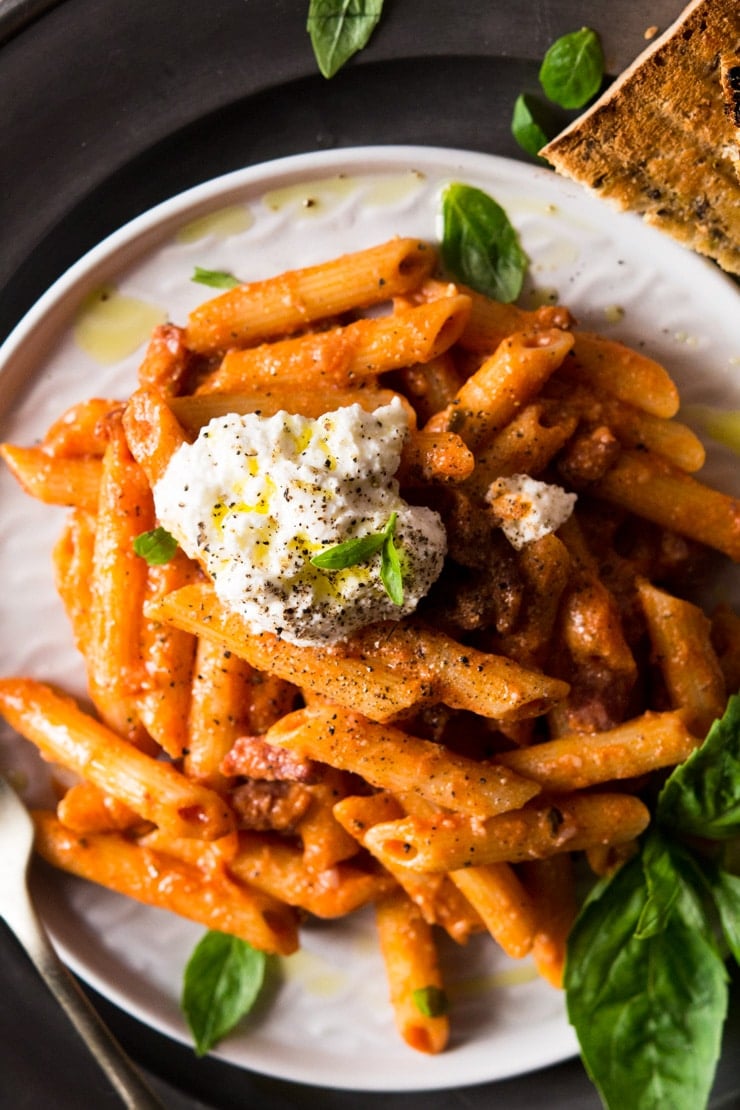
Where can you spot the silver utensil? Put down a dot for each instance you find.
(16, 843)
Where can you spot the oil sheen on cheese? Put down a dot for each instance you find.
(254, 498)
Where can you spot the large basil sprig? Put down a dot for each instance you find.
(645, 980)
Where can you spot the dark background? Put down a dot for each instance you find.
(108, 107)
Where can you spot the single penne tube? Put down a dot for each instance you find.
(505, 382)
(492, 321)
(343, 356)
(197, 409)
(152, 431)
(210, 898)
(278, 868)
(118, 584)
(378, 693)
(72, 559)
(460, 676)
(503, 904)
(413, 972)
(155, 790)
(552, 890)
(166, 360)
(650, 487)
(627, 374)
(542, 828)
(167, 656)
(260, 310)
(218, 709)
(526, 445)
(681, 641)
(578, 760)
(81, 430)
(395, 761)
(439, 900)
(74, 482)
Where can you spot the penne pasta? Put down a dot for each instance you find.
(680, 635)
(153, 789)
(542, 828)
(212, 900)
(486, 735)
(345, 355)
(277, 306)
(506, 381)
(74, 482)
(413, 972)
(574, 762)
(627, 374)
(393, 760)
(654, 489)
(377, 692)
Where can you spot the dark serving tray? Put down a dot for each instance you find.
(109, 108)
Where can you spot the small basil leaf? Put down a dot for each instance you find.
(573, 68)
(217, 279)
(525, 128)
(349, 553)
(702, 795)
(339, 29)
(648, 1011)
(430, 1001)
(479, 245)
(391, 574)
(156, 546)
(675, 885)
(223, 978)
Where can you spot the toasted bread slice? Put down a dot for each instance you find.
(730, 78)
(661, 140)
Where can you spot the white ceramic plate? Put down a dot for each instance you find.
(328, 1022)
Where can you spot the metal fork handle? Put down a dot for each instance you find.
(123, 1076)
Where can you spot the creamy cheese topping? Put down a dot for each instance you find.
(528, 509)
(254, 498)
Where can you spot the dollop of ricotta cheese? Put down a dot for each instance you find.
(528, 509)
(254, 498)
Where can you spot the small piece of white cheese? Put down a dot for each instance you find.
(254, 498)
(528, 509)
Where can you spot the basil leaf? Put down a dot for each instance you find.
(726, 892)
(573, 68)
(223, 977)
(339, 29)
(349, 553)
(391, 574)
(479, 245)
(648, 1010)
(217, 279)
(156, 546)
(702, 795)
(430, 1001)
(526, 130)
(675, 884)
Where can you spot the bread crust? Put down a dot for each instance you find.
(661, 140)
